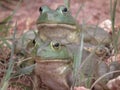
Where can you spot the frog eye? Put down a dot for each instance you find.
(43, 9)
(34, 41)
(40, 9)
(64, 9)
(55, 45)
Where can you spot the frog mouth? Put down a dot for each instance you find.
(53, 60)
(56, 25)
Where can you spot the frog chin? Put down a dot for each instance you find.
(57, 65)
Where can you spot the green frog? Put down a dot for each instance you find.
(54, 67)
(57, 24)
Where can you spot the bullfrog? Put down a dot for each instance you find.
(57, 24)
(54, 67)
(60, 25)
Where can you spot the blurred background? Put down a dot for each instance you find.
(92, 11)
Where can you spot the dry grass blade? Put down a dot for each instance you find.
(11, 65)
(77, 61)
(4, 41)
(67, 3)
(7, 76)
(113, 15)
(79, 9)
(100, 78)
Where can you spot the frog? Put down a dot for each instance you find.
(60, 25)
(57, 24)
(55, 64)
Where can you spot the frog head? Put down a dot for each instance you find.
(53, 50)
(59, 16)
(57, 24)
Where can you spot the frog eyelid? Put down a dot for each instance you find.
(44, 9)
(62, 9)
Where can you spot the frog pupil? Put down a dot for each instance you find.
(56, 45)
(64, 10)
(34, 42)
(40, 9)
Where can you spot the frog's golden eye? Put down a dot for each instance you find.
(55, 45)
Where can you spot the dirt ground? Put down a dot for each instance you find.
(92, 12)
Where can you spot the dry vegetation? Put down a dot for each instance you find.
(24, 19)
